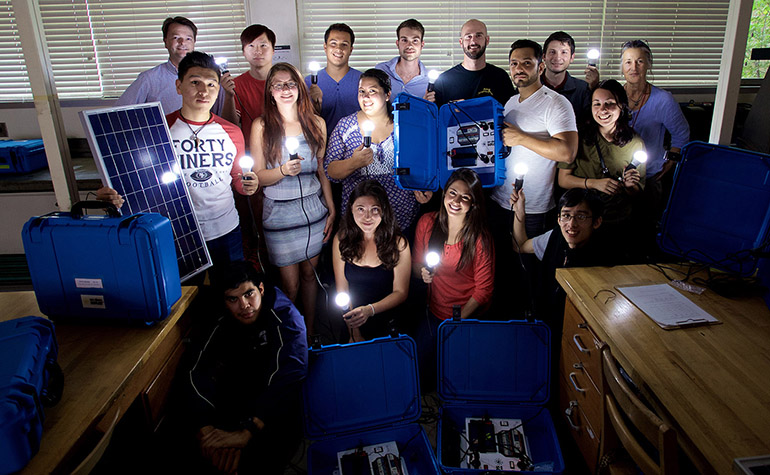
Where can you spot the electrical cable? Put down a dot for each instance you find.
(531, 311)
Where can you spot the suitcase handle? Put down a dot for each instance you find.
(52, 394)
(80, 206)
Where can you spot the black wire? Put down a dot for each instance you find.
(460, 129)
(526, 277)
(243, 107)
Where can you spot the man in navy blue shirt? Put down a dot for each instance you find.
(336, 94)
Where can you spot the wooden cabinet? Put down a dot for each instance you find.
(580, 383)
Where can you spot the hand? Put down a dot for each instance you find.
(430, 96)
(427, 276)
(631, 178)
(362, 156)
(226, 459)
(606, 185)
(316, 96)
(228, 84)
(423, 197)
(517, 200)
(592, 77)
(512, 135)
(251, 185)
(109, 195)
(328, 226)
(217, 438)
(358, 316)
(292, 167)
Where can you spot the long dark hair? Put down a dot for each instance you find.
(383, 80)
(623, 131)
(273, 132)
(474, 226)
(387, 236)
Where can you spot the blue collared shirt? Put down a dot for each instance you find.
(416, 86)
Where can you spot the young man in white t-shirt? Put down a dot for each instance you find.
(540, 129)
(208, 149)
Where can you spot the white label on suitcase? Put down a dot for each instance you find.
(89, 283)
(92, 301)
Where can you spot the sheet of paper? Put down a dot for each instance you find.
(666, 306)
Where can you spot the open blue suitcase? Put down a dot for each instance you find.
(29, 379)
(102, 267)
(22, 156)
(490, 369)
(431, 143)
(719, 209)
(363, 394)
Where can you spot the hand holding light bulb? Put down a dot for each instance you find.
(631, 175)
(519, 170)
(432, 259)
(433, 74)
(593, 56)
(250, 183)
(294, 165)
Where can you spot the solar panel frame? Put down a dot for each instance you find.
(132, 148)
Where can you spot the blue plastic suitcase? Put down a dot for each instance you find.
(22, 156)
(102, 267)
(362, 394)
(430, 142)
(29, 379)
(495, 370)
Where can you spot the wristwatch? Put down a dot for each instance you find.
(673, 156)
(250, 426)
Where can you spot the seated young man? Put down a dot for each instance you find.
(573, 243)
(208, 149)
(242, 395)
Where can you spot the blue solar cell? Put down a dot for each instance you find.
(133, 150)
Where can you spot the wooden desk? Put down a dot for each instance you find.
(711, 382)
(105, 369)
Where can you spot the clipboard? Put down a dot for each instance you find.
(667, 307)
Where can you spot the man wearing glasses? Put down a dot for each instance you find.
(473, 77)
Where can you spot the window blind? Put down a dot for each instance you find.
(98, 47)
(686, 36)
(14, 82)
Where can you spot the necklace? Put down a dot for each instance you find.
(635, 102)
(194, 136)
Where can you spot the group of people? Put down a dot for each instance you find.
(497, 249)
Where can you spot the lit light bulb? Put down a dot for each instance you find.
(432, 259)
(433, 74)
(640, 157)
(292, 144)
(222, 63)
(246, 163)
(168, 177)
(367, 127)
(593, 55)
(342, 299)
(520, 169)
(314, 68)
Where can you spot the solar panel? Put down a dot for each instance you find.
(133, 150)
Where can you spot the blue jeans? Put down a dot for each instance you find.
(223, 250)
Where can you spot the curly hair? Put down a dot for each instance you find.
(475, 225)
(273, 132)
(387, 236)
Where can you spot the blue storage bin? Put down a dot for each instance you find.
(22, 156)
(29, 378)
(719, 208)
(102, 267)
(422, 141)
(364, 394)
(497, 370)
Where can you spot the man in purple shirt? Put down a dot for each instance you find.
(336, 94)
(159, 83)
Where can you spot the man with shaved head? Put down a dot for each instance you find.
(473, 77)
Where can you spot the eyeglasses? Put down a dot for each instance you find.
(566, 217)
(280, 86)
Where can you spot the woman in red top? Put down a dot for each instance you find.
(458, 232)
